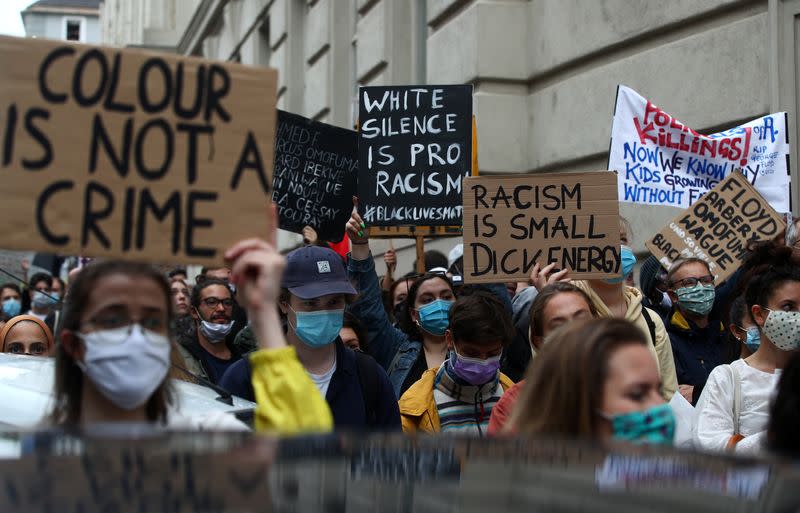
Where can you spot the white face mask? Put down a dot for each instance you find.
(783, 329)
(666, 302)
(126, 364)
(215, 333)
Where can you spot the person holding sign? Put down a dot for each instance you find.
(612, 298)
(696, 331)
(733, 409)
(555, 305)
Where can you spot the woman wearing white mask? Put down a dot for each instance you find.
(113, 358)
(733, 409)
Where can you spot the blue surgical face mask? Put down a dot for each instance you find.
(698, 300)
(628, 263)
(12, 307)
(320, 328)
(654, 426)
(753, 340)
(42, 300)
(433, 317)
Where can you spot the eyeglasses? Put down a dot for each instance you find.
(212, 302)
(691, 282)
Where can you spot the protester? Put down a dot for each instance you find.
(217, 273)
(784, 416)
(180, 296)
(733, 409)
(353, 334)
(11, 299)
(612, 298)
(654, 287)
(556, 304)
(178, 273)
(742, 329)
(458, 397)
(26, 334)
(205, 350)
(595, 379)
(315, 290)
(398, 293)
(695, 327)
(41, 300)
(113, 359)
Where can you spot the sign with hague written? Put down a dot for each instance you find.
(661, 161)
(513, 222)
(415, 147)
(314, 180)
(130, 154)
(718, 227)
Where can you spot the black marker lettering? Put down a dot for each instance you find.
(41, 204)
(48, 61)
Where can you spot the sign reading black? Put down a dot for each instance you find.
(415, 146)
(316, 168)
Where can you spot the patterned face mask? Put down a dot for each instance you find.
(783, 329)
(654, 426)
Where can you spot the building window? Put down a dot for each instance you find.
(73, 29)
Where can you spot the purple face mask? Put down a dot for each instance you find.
(474, 370)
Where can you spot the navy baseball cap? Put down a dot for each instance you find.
(314, 271)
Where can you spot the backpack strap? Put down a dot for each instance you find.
(368, 379)
(651, 326)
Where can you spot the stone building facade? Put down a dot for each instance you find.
(544, 71)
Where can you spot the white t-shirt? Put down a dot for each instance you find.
(42, 317)
(323, 380)
(715, 408)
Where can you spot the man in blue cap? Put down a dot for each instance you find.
(315, 292)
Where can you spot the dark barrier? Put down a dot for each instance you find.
(47, 472)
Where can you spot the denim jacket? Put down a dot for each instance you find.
(390, 347)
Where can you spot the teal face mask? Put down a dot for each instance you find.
(654, 426)
(320, 328)
(628, 263)
(753, 340)
(433, 316)
(698, 300)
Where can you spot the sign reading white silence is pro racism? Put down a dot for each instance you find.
(661, 161)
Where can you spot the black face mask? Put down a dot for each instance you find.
(399, 308)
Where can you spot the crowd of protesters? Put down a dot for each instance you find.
(320, 342)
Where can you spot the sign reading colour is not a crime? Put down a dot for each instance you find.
(513, 222)
(415, 147)
(129, 154)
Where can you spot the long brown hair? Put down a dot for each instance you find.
(543, 298)
(563, 388)
(69, 377)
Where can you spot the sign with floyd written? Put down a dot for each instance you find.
(513, 222)
(415, 147)
(661, 161)
(314, 180)
(129, 154)
(718, 227)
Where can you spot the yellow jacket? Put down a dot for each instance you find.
(288, 402)
(661, 347)
(418, 408)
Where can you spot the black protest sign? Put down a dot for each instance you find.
(415, 147)
(314, 180)
(131, 154)
(512, 223)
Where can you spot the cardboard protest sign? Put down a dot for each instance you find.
(130, 154)
(718, 227)
(513, 222)
(661, 161)
(415, 146)
(314, 181)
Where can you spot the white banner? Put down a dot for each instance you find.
(661, 161)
